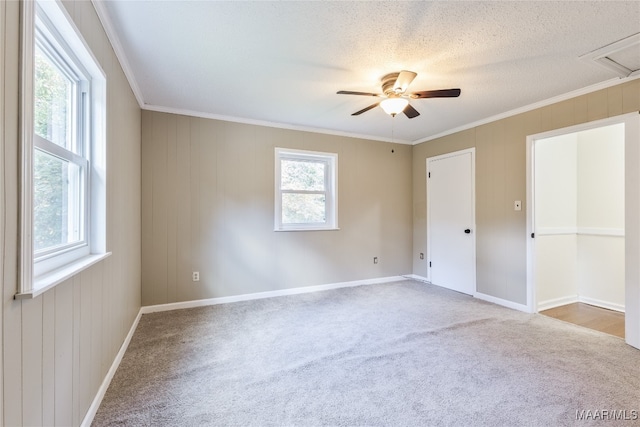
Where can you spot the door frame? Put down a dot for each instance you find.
(632, 215)
(471, 151)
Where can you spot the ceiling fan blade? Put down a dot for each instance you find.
(403, 81)
(410, 112)
(364, 110)
(442, 93)
(348, 92)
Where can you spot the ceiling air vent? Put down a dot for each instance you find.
(621, 57)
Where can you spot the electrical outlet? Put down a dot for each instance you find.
(375, 259)
(196, 276)
(517, 205)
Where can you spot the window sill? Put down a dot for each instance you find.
(307, 229)
(47, 281)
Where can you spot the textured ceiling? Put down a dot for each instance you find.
(281, 63)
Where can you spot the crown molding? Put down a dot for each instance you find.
(112, 35)
(163, 109)
(556, 99)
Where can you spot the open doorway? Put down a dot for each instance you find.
(578, 189)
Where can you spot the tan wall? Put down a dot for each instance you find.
(57, 348)
(501, 179)
(208, 206)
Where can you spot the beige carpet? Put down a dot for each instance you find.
(397, 354)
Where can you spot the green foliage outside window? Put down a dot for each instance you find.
(301, 208)
(50, 174)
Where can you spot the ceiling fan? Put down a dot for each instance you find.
(396, 100)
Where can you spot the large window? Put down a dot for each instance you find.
(63, 167)
(306, 196)
(60, 156)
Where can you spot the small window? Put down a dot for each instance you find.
(63, 194)
(306, 195)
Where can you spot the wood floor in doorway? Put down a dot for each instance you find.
(589, 316)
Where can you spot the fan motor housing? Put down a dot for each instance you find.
(388, 81)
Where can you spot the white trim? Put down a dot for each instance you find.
(556, 231)
(632, 230)
(25, 253)
(3, 210)
(613, 120)
(112, 35)
(50, 279)
(268, 294)
(97, 400)
(502, 302)
(222, 117)
(602, 304)
(593, 231)
(571, 299)
(557, 302)
(531, 107)
(530, 221)
(583, 231)
(330, 192)
(417, 278)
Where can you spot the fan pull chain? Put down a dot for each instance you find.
(393, 123)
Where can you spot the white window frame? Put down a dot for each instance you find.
(331, 189)
(47, 24)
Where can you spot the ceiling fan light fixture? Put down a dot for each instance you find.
(393, 106)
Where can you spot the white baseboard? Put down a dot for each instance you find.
(268, 294)
(484, 297)
(502, 302)
(97, 400)
(416, 277)
(603, 304)
(557, 302)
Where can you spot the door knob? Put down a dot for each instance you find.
(467, 231)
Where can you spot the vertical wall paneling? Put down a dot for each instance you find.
(160, 207)
(183, 215)
(32, 372)
(57, 347)
(172, 214)
(48, 357)
(75, 388)
(86, 297)
(96, 326)
(631, 96)
(63, 368)
(208, 193)
(146, 206)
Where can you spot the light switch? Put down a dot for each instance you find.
(517, 205)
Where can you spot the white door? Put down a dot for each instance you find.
(451, 221)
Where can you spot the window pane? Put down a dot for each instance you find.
(53, 108)
(302, 175)
(57, 201)
(303, 208)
